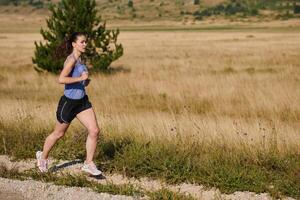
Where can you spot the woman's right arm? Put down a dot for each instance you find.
(65, 79)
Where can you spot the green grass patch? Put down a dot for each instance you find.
(210, 163)
(212, 166)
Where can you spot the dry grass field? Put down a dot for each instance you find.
(236, 89)
(230, 85)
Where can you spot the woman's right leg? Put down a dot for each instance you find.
(59, 131)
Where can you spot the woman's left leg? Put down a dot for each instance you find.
(88, 119)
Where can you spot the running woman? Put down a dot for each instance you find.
(74, 103)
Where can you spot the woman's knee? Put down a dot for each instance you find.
(58, 134)
(94, 132)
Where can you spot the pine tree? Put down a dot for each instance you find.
(70, 16)
(130, 3)
(196, 2)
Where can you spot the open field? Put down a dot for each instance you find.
(233, 92)
(227, 81)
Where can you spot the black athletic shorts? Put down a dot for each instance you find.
(67, 108)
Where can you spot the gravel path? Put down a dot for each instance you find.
(33, 189)
(6, 193)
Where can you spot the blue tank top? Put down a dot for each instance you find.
(76, 90)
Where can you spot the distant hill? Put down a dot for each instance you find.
(147, 10)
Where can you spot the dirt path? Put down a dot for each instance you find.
(73, 167)
(8, 194)
(34, 190)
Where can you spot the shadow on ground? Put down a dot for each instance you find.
(55, 168)
(67, 164)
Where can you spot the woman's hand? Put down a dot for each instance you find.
(84, 76)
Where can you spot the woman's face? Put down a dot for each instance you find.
(80, 43)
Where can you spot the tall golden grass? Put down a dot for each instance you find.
(230, 87)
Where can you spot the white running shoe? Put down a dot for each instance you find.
(41, 163)
(91, 169)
